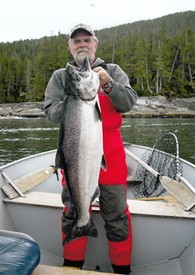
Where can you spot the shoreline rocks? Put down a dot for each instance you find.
(157, 106)
(26, 109)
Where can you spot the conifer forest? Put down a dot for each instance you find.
(158, 56)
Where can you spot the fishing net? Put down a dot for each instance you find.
(163, 158)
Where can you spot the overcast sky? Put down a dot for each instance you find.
(30, 19)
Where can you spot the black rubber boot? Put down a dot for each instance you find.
(122, 269)
(73, 264)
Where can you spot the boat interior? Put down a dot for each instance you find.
(163, 242)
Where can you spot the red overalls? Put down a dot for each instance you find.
(115, 175)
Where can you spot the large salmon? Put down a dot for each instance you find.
(80, 151)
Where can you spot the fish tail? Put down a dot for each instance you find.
(77, 232)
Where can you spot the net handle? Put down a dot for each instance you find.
(176, 148)
(142, 163)
(178, 176)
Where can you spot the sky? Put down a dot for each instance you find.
(33, 19)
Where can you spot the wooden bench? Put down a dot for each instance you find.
(45, 270)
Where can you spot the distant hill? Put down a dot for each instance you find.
(172, 24)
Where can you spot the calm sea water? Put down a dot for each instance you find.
(21, 137)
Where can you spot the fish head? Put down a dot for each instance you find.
(82, 82)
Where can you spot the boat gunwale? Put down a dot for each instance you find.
(26, 158)
(147, 147)
(54, 150)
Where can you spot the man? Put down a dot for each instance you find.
(116, 97)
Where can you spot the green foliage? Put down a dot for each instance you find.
(157, 55)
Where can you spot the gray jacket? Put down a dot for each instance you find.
(122, 95)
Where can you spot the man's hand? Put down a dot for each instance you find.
(103, 75)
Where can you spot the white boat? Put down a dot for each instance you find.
(163, 232)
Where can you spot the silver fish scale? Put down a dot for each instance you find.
(83, 154)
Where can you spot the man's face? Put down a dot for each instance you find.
(81, 45)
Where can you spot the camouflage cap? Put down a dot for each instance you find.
(81, 27)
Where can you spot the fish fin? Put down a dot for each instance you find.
(103, 163)
(57, 175)
(59, 159)
(98, 109)
(96, 194)
(77, 232)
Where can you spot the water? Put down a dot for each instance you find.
(21, 137)
(145, 131)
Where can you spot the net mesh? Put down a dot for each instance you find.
(163, 158)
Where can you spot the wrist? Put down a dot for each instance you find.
(107, 87)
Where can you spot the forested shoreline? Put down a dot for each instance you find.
(157, 55)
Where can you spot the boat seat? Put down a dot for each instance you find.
(19, 253)
(151, 208)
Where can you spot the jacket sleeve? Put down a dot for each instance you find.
(122, 95)
(54, 96)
